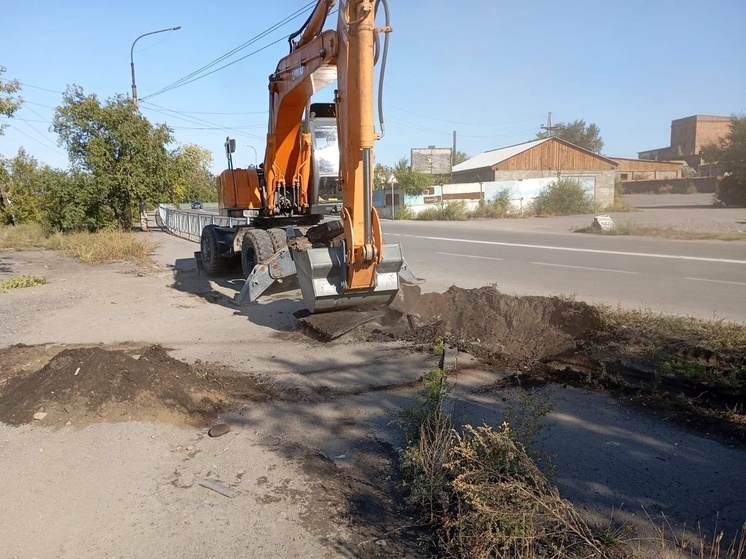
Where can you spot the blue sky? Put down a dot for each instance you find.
(488, 69)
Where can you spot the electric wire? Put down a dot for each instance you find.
(194, 120)
(197, 74)
(469, 123)
(34, 139)
(37, 87)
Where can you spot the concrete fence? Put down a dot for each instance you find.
(704, 185)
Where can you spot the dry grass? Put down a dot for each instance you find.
(109, 245)
(23, 237)
(717, 335)
(484, 496)
(482, 493)
(619, 205)
(632, 229)
(710, 354)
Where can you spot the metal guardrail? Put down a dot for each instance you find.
(189, 225)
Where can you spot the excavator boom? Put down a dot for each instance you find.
(339, 264)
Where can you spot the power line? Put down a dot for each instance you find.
(26, 102)
(37, 141)
(197, 74)
(37, 114)
(37, 87)
(413, 126)
(468, 123)
(195, 120)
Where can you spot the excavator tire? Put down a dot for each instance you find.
(279, 239)
(256, 248)
(213, 263)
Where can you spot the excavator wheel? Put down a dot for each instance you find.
(213, 263)
(256, 248)
(279, 239)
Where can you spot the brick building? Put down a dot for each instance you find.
(688, 136)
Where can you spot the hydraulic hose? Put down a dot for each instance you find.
(383, 64)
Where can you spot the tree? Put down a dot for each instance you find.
(25, 180)
(190, 175)
(730, 155)
(9, 104)
(124, 154)
(459, 157)
(578, 133)
(409, 180)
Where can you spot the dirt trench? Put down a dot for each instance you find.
(84, 385)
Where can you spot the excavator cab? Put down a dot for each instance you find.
(321, 124)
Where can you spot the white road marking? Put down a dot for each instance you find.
(468, 256)
(717, 281)
(590, 250)
(584, 268)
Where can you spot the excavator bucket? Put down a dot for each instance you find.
(322, 274)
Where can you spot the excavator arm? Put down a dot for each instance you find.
(351, 272)
(310, 66)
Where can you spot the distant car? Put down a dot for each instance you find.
(197, 205)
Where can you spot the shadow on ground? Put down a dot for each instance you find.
(273, 310)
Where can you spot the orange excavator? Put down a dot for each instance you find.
(318, 161)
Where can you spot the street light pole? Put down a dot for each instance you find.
(132, 58)
(256, 157)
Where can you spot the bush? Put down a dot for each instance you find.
(563, 197)
(455, 211)
(731, 192)
(403, 212)
(498, 207)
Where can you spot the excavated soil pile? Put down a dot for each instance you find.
(86, 385)
(500, 328)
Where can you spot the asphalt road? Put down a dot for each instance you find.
(706, 279)
(700, 278)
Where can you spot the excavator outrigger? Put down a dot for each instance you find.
(339, 263)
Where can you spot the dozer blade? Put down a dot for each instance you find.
(322, 274)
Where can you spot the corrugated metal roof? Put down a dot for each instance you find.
(495, 156)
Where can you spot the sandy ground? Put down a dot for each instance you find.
(312, 475)
(131, 489)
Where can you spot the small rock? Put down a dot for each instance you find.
(382, 543)
(184, 480)
(40, 415)
(219, 430)
(190, 448)
(69, 423)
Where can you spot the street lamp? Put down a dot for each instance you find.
(256, 158)
(132, 59)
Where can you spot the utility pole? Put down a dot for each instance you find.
(549, 128)
(453, 155)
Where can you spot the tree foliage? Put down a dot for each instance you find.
(730, 155)
(587, 136)
(409, 180)
(24, 182)
(564, 196)
(9, 102)
(459, 157)
(125, 155)
(190, 175)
